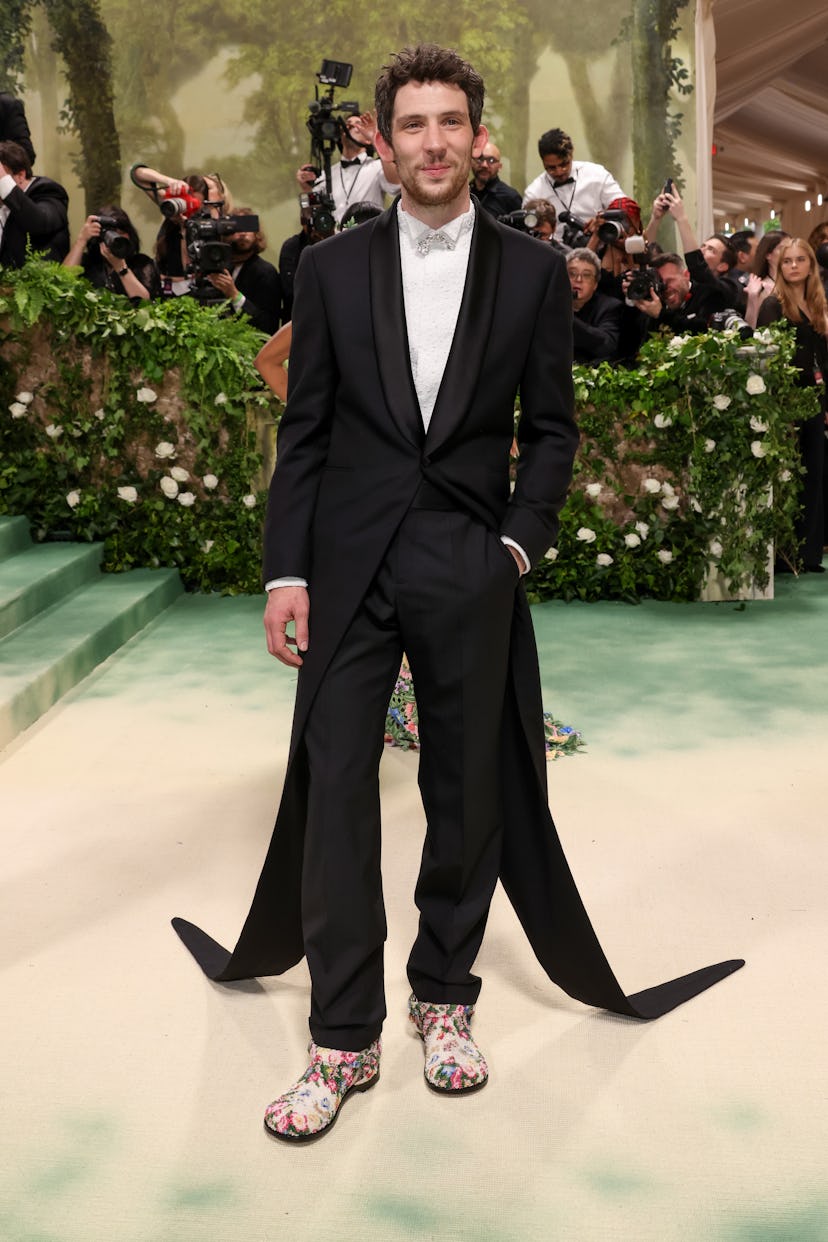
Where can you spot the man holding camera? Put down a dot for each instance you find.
(596, 321)
(33, 210)
(250, 283)
(692, 292)
(577, 187)
(356, 177)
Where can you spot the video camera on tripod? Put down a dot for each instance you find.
(326, 129)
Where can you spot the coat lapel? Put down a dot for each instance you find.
(471, 336)
(390, 333)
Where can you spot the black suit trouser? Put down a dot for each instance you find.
(444, 594)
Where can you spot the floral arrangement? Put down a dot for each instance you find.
(402, 729)
(140, 427)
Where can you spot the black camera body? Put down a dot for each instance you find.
(326, 119)
(318, 211)
(113, 239)
(525, 221)
(644, 283)
(573, 234)
(207, 247)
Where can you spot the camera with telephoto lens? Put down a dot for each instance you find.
(644, 283)
(179, 205)
(318, 210)
(208, 249)
(573, 234)
(112, 237)
(526, 221)
(729, 320)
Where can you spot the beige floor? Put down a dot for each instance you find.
(133, 1089)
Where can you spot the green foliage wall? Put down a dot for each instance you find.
(137, 427)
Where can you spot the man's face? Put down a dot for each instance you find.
(676, 284)
(559, 167)
(486, 165)
(432, 143)
(243, 245)
(583, 280)
(713, 251)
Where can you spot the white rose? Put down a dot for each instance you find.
(146, 396)
(593, 489)
(670, 502)
(169, 487)
(53, 432)
(663, 420)
(164, 449)
(721, 401)
(73, 498)
(186, 499)
(221, 398)
(25, 398)
(755, 385)
(179, 474)
(757, 448)
(652, 486)
(668, 489)
(632, 540)
(551, 554)
(643, 529)
(18, 409)
(603, 559)
(100, 414)
(756, 424)
(129, 494)
(716, 549)
(676, 343)
(763, 337)
(785, 476)
(664, 556)
(709, 446)
(210, 481)
(585, 534)
(694, 505)
(249, 501)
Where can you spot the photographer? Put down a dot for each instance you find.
(692, 292)
(356, 177)
(596, 319)
(251, 285)
(493, 195)
(547, 221)
(108, 250)
(575, 186)
(704, 264)
(187, 195)
(33, 210)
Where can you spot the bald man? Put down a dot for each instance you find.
(493, 195)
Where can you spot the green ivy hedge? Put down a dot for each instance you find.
(139, 427)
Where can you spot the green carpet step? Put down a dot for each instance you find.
(41, 575)
(14, 536)
(43, 659)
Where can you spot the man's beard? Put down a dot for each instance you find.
(436, 194)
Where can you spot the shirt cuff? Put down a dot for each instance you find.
(510, 543)
(7, 184)
(280, 582)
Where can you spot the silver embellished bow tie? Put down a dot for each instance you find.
(436, 238)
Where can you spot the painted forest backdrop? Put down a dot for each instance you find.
(189, 85)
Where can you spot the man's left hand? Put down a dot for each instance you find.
(224, 282)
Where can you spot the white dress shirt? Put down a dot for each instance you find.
(359, 183)
(590, 189)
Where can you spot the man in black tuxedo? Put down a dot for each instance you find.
(390, 528)
(32, 210)
(251, 284)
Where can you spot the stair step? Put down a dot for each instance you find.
(49, 655)
(42, 575)
(14, 536)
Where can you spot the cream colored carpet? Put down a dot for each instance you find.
(133, 1089)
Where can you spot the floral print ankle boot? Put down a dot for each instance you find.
(453, 1061)
(310, 1107)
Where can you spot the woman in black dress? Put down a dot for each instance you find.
(800, 298)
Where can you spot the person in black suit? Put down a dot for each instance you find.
(596, 322)
(251, 284)
(390, 528)
(13, 124)
(33, 210)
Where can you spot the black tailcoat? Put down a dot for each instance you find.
(352, 454)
